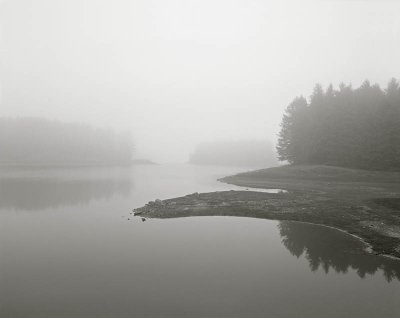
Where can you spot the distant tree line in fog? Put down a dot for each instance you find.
(244, 153)
(40, 141)
(344, 127)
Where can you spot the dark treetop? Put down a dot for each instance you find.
(346, 127)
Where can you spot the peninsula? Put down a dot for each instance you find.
(360, 202)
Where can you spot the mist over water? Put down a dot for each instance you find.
(114, 108)
(178, 73)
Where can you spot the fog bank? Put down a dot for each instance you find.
(177, 72)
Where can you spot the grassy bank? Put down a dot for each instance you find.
(362, 203)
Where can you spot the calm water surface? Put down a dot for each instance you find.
(67, 249)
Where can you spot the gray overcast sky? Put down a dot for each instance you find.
(178, 72)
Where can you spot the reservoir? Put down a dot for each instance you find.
(69, 247)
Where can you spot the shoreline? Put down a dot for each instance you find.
(360, 203)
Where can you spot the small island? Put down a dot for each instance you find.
(142, 161)
(240, 153)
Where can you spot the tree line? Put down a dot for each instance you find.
(346, 127)
(38, 141)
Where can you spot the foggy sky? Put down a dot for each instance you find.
(179, 72)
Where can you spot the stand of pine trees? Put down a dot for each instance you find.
(347, 127)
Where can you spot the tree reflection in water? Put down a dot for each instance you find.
(328, 248)
(36, 189)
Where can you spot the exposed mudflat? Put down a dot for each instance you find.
(361, 203)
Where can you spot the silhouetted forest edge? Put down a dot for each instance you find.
(360, 202)
(356, 128)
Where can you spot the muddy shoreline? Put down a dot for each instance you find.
(360, 203)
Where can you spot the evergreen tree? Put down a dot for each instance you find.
(292, 126)
(344, 127)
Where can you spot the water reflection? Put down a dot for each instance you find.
(328, 248)
(36, 190)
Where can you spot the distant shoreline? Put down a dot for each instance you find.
(78, 164)
(364, 204)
